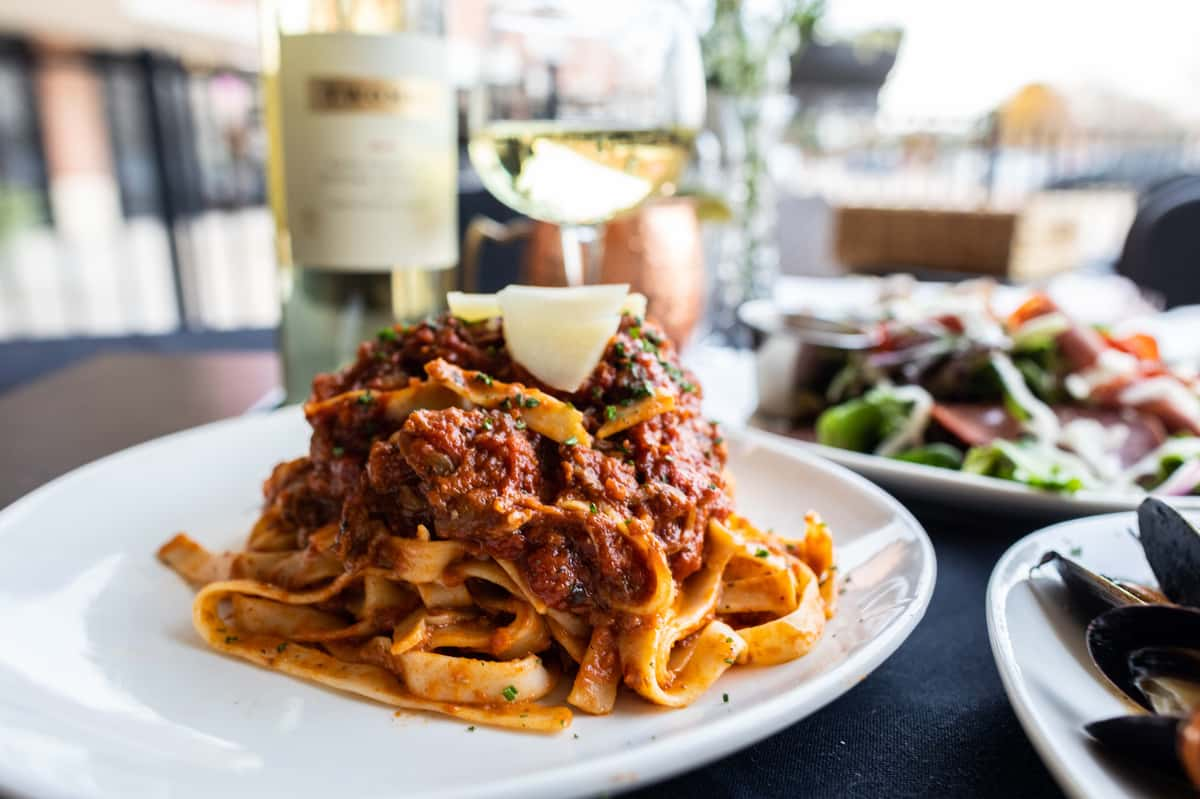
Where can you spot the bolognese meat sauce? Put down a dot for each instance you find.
(561, 512)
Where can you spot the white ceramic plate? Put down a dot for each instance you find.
(948, 487)
(1038, 643)
(106, 691)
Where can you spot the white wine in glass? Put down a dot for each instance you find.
(585, 111)
(578, 174)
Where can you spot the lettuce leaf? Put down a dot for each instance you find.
(861, 424)
(943, 456)
(1028, 463)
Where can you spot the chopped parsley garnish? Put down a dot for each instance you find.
(619, 349)
(719, 440)
(648, 347)
(628, 522)
(729, 640)
(635, 332)
(281, 647)
(730, 661)
(570, 442)
(713, 487)
(386, 334)
(575, 735)
(380, 355)
(652, 337)
(687, 387)
(531, 402)
(610, 412)
(725, 698)
(339, 452)
(597, 392)
(509, 693)
(487, 424)
(592, 507)
(229, 639)
(761, 553)
(1076, 551)
(484, 377)
(642, 389)
(366, 398)
(520, 424)
(505, 404)
(471, 728)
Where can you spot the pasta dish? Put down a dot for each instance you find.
(462, 537)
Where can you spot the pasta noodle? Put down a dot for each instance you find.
(462, 544)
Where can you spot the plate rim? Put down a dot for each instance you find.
(657, 760)
(1011, 676)
(892, 472)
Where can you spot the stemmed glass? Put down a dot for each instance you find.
(585, 109)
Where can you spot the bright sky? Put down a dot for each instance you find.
(961, 57)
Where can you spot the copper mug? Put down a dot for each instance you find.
(656, 249)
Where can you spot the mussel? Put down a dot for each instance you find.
(1169, 744)
(1150, 653)
(1095, 592)
(1146, 643)
(1172, 547)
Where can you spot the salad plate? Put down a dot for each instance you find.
(983, 395)
(961, 490)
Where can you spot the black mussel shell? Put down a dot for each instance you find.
(1172, 547)
(1115, 635)
(1171, 672)
(1094, 592)
(1151, 741)
(1170, 661)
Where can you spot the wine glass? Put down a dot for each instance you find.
(584, 110)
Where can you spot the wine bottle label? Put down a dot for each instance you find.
(370, 155)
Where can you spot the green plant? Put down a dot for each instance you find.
(741, 42)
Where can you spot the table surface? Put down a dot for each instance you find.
(932, 720)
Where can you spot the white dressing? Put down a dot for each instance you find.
(1109, 366)
(913, 430)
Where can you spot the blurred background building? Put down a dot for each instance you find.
(1011, 139)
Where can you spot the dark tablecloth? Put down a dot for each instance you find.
(931, 721)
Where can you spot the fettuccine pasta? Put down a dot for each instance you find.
(465, 541)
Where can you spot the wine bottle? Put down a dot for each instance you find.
(362, 171)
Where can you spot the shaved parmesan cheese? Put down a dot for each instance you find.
(563, 304)
(472, 307)
(558, 334)
(635, 305)
(477, 307)
(560, 355)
